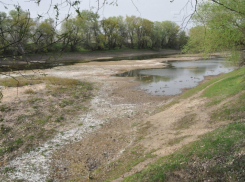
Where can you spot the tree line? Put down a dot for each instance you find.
(20, 34)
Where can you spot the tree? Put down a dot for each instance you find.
(157, 35)
(170, 32)
(144, 30)
(3, 32)
(196, 40)
(122, 32)
(44, 35)
(223, 22)
(109, 27)
(131, 22)
(182, 39)
(91, 29)
(74, 32)
(15, 31)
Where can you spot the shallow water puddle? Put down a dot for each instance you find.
(177, 76)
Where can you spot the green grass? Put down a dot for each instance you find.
(233, 110)
(32, 80)
(116, 168)
(19, 81)
(218, 156)
(61, 81)
(232, 84)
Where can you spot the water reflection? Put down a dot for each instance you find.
(177, 76)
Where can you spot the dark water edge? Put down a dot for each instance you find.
(142, 57)
(34, 66)
(17, 66)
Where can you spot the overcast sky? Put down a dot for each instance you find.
(154, 10)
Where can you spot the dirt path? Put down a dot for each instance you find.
(117, 112)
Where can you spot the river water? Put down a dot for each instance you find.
(177, 76)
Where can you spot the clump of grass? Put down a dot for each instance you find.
(176, 140)
(185, 122)
(4, 129)
(29, 91)
(66, 102)
(34, 100)
(7, 170)
(60, 81)
(135, 124)
(49, 180)
(30, 137)
(4, 108)
(59, 119)
(19, 81)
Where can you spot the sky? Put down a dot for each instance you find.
(154, 10)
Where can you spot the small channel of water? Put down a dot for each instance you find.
(177, 76)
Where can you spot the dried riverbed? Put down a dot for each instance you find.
(112, 125)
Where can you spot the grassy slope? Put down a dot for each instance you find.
(217, 156)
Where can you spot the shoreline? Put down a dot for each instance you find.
(88, 56)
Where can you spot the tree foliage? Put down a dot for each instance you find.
(15, 30)
(220, 26)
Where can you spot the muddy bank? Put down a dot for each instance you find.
(86, 56)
